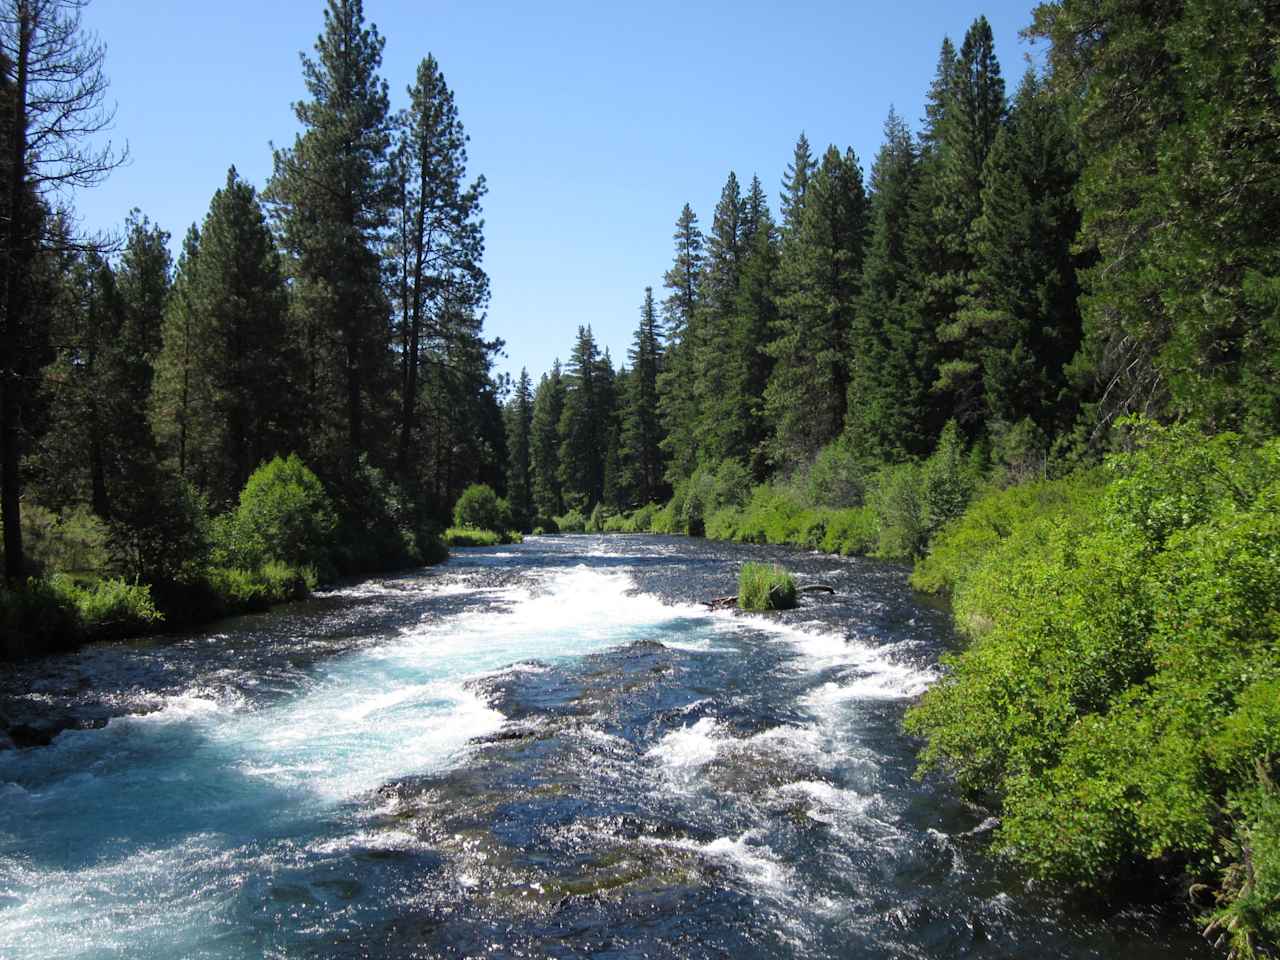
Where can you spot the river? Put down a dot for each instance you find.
(544, 750)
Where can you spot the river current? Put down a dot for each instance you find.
(544, 750)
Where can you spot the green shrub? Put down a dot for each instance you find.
(545, 525)
(851, 532)
(599, 517)
(947, 483)
(897, 497)
(378, 528)
(665, 520)
(572, 522)
(723, 524)
(837, 479)
(478, 508)
(159, 527)
(110, 609)
(962, 546)
(763, 586)
(73, 541)
(284, 515)
(39, 617)
(471, 537)
(1119, 697)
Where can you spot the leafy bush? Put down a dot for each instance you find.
(39, 617)
(110, 609)
(545, 525)
(54, 614)
(897, 497)
(666, 519)
(572, 522)
(599, 517)
(946, 482)
(471, 537)
(378, 528)
(836, 479)
(478, 508)
(284, 515)
(1119, 696)
(763, 586)
(73, 541)
(159, 527)
(850, 533)
(962, 546)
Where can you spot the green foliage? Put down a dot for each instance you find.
(763, 586)
(73, 541)
(851, 532)
(837, 477)
(471, 537)
(284, 514)
(947, 481)
(1119, 695)
(478, 507)
(57, 613)
(896, 494)
(962, 546)
(572, 522)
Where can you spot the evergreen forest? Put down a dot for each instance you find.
(1031, 347)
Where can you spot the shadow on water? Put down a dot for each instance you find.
(544, 750)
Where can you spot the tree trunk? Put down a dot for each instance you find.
(14, 307)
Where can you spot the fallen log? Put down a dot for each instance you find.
(724, 603)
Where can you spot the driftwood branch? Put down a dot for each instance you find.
(724, 603)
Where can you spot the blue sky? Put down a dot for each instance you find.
(592, 122)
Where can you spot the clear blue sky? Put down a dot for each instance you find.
(592, 122)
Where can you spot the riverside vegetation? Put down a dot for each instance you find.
(1036, 353)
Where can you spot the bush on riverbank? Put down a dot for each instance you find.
(471, 537)
(765, 586)
(47, 615)
(1119, 696)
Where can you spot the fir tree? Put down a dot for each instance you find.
(974, 109)
(641, 453)
(519, 465)
(544, 452)
(888, 389)
(678, 400)
(581, 456)
(820, 277)
(1023, 317)
(795, 184)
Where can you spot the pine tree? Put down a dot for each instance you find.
(678, 401)
(437, 239)
(544, 452)
(641, 453)
(1176, 112)
(226, 357)
(519, 416)
(331, 194)
(820, 277)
